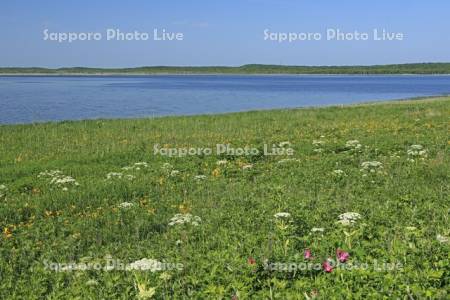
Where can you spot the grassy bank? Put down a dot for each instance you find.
(420, 68)
(72, 192)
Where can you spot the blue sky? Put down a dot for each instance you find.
(222, 32)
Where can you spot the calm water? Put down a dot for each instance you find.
(35, 99)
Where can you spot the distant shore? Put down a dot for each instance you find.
(255, 69)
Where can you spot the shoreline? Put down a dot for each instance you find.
(210, 74)
(155, 117)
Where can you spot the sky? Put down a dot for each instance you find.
(227, 33)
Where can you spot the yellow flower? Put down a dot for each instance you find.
(216, 172)
(145, 293)
(7, 232)
(184, 208)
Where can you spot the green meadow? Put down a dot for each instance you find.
(360, 210)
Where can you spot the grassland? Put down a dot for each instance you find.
(418, 68)
(66, 198)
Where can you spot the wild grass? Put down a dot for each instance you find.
(403, 204)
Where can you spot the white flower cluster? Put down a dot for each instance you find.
(168, 168)
(442, 239)
(146, 264)
(3, 190)
(416, 151)
(338, 172)
(200, 177)
(126, 205)
(58, 178)
(222, 162)
(282, 215)
(353, 145)
(137, 166)
(318, 145)
(371, 166)
(348, 218)
(247, 166)
(113, 175)
(317, 229)
(180, 219)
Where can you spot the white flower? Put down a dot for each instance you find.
(338, 172)
(353, 144)
(371, 166)
(282, 215)
(317, 229)
(221, 162)
(442, 239)
(126, 205)
(318, 150)
(318, 143)
(200, 177)
(114, 174)
(136, 166)
(411, 228)
(3, 190)
(348, 218)
(247, 166)
(180, 219)
(167, 166)
(174, 173)
(417, 150)
(146, 264)
(58, 178)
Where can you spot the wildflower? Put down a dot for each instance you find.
(247, 166)
(317, 229)
(167, 166)
(165, 276)
(113, 175)
(442, 239)
(221, 162)
(327, 267)
(146, 264)
(371, 166)
(7, 232)
(200, 177)
(307, 254)
(338, 172)
(318, 143)
(174, 173)
(180, 219)
(126, 205)
(353, 145)
(282, 215)
(3, 190)
(251, 261)
(411, 228)
(178, 242)
(417, 151)
(348, 218)
(342, 255)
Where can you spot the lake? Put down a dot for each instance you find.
(46, 98)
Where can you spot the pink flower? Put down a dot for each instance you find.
(342, 255)
(308, 254)
(327, 267)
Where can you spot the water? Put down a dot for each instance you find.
(36, 99)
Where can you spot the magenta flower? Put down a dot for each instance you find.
(308, 254)
(342, 255)
(327, 267)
